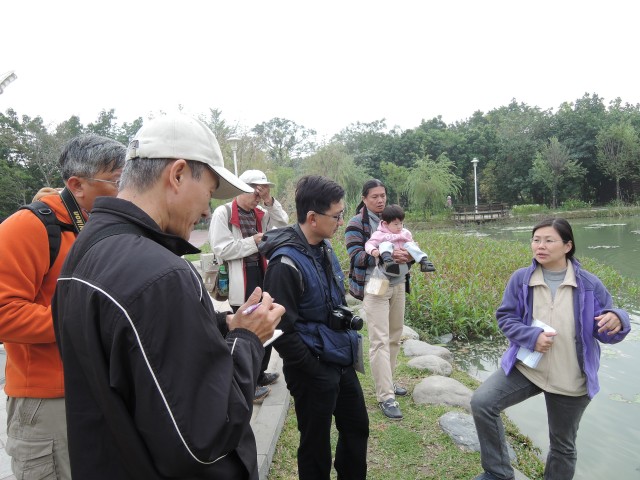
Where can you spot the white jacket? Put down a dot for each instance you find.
(228, 245)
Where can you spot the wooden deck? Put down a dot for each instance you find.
(481, 213)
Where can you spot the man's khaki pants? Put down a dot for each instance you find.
(37, 438)
(385, 318)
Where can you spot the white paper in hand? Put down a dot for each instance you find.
(276, 333)
(526, 356)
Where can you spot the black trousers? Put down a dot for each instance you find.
(332, 392)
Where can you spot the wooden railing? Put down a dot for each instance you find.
(483, 212)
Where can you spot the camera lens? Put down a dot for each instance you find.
(356, 323)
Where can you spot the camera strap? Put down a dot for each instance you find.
(74, 210)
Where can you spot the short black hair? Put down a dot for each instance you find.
(563, 228)
(391, 212)
(317, 193)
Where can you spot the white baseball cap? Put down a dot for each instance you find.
(180, 136)
(255, 177)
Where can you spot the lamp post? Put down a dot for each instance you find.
(5, 79)
(475, 181)
(233, 141)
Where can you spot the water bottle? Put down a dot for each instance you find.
(223, 281)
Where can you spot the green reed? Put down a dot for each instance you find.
(461, 297)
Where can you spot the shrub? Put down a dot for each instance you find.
(574, 204)
(528, 209)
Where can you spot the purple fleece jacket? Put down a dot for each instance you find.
(590, 299)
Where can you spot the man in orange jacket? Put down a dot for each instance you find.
(36, 422)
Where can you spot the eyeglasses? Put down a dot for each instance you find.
(539, 241)
(116, 183)
(337, 217)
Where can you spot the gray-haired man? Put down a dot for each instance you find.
(36, 427)
(158, 384)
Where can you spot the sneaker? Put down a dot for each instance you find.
(266, 378)
(391, 267)
(260, 394)
(426, 265)
(399, 391)
(391, 409)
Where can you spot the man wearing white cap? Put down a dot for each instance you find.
(158, 384)
(235, 232)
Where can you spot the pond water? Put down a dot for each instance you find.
(609, 436)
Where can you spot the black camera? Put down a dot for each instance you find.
(342, 318)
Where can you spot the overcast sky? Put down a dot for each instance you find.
(322, 64)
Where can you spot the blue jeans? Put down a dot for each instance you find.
(332, 392)
(499, 392)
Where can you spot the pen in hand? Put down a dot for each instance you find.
(251, 309)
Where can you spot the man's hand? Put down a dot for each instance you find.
(400, 255)
(264, 192)
(263, 320)
(257, 238)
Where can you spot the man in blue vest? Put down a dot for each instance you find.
(318, 347)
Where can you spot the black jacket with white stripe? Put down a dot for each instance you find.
(155, 385)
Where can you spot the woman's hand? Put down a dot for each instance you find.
(544, 341)
(400, 255)
(608, 322)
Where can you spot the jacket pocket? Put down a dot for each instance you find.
(337, 346)
(31, 459)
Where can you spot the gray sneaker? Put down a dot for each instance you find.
(391, 409)
(399, 391)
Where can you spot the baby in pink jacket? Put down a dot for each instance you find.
(391, 233)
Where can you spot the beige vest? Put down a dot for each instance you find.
(558, 370)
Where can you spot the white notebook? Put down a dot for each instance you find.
(526, 356)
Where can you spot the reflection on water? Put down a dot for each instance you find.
(609, 435)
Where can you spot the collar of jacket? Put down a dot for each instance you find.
(131, 213)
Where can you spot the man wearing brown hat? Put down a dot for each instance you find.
(235, 232)
(158, 384)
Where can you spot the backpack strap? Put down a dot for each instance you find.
(110, 231)
(54, 227)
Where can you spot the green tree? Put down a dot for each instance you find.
(553, 166)
(618, 149)
(395, 178)
(334, 162)
(431, 181)
(285, 140)
(576, 124)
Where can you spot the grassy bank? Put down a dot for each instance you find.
(415, 447)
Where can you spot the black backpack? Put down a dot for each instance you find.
(52, 224)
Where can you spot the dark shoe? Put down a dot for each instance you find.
(426, 266)
(386, 257)
(260, 394)
(391, 409)
(266, 378)
(391, 267)
(487, 476)
(399, 391)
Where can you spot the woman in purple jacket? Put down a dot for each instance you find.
(553, 313)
